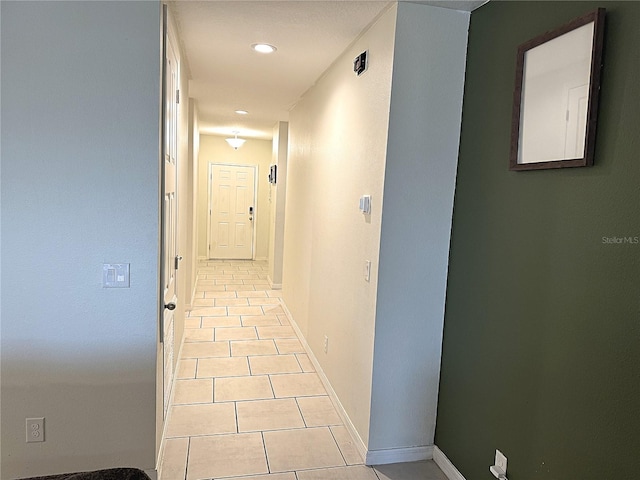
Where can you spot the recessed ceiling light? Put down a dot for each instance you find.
(263, 48)
(242, 112)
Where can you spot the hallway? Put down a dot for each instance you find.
(247, 402)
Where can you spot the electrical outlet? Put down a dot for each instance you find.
(35, 429)
(326, 344)
(501, 461)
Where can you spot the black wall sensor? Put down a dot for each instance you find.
(360, 63)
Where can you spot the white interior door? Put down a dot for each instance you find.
(169, 252)
(232, 211)
(577, 104)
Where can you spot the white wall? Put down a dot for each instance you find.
(338, 140)
(80, 175)
(394, 130)
(192, 199)
(214, 149)
(422, 153)
(277, 195)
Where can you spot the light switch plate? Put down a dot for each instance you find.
(115, 275)
(367, 270)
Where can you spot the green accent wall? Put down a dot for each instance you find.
(541, 352)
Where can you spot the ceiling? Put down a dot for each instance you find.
(227, 75)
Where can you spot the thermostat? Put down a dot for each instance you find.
(365, 204)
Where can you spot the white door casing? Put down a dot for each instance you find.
(232, 211)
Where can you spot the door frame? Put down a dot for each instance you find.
(254, 235)
(168, 40)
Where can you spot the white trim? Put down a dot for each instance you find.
(398, 455)
(355, 436)
(260, 259)
(274, 286)
(153, 474)
(209, 181)
(166, 420)
(202, 257)
(448, 468)
(189, 307)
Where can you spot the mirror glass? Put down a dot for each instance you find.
(555, 99)
(555, 96)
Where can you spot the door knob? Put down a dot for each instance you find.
(170, 306)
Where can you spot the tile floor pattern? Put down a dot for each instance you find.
(247, 403)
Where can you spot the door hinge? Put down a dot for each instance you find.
(177, 261)
(177, 96)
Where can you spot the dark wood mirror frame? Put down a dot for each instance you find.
(596, 17)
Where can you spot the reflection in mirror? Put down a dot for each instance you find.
(556, 96)
(555, 92)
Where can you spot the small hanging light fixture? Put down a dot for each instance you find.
(235, 142)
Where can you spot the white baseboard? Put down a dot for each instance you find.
(370, 457)
(274, 286)
(398, 455)
(355, 436)
(189, 306)
(445, 465)
(153, 474)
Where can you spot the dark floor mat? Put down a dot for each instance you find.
(110, 474)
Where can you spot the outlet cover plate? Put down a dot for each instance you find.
(501, 461)
(35, 429)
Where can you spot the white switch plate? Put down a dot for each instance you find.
(115, 275)
(367, 270)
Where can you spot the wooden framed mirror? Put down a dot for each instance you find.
(555, 99)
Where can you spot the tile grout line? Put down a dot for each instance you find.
(235, 406)
(271, 385)
(301, 414)
(186, 463)
(266, 456)
(337, 445)
(249, 363)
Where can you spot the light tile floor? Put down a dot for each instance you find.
(247, 402)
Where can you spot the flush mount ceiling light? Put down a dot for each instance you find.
(235, 142)
(263, 48)
(242, 112)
